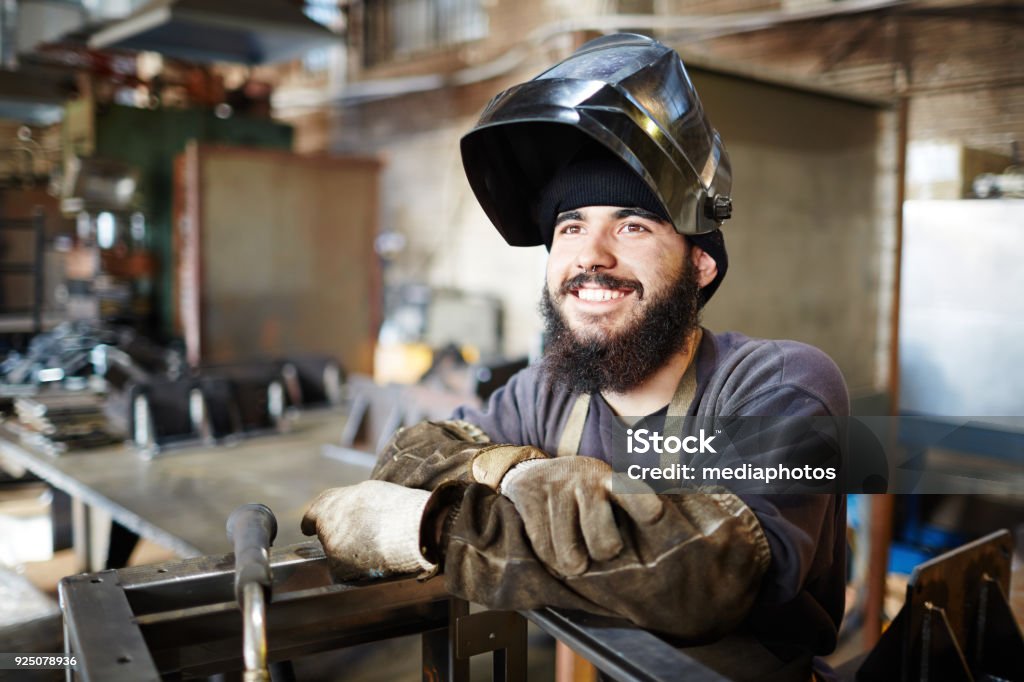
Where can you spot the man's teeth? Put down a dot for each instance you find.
(599, 294)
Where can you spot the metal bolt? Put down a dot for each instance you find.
(720, 207)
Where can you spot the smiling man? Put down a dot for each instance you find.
(608, 160)
(622, 300)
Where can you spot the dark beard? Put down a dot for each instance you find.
(623, 361)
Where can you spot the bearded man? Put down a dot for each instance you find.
(608, 160)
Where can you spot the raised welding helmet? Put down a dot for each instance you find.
(625, 94)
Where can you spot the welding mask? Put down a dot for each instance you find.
(628, 95)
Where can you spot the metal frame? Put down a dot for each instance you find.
(620, 650)
(181, 618)
(956, 622)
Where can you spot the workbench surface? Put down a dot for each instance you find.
(181, 498)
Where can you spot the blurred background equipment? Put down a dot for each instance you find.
(219, 404)
(110, 271)
(71, 387)
(956, 621)
(312, 380)
(258, 32)
(1009, 183)
(254, 392)
(432, 335)
(63, 355)
(83, 386)
(58, 422)
(31, 94)
(98, 184)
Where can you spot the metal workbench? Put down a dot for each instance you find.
(181, 498)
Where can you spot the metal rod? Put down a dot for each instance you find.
(251, 529)
(254, 633)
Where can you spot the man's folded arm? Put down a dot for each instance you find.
(693, 573)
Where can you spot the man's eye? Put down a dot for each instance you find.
(634, 227)
(570, 229)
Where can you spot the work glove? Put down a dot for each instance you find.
(566, 504)
(490, 464)
(369, 530)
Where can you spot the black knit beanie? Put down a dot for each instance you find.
(593, 182)
(608, 181)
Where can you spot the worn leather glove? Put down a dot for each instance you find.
(491, 464)
(566, 507)
(369, 530)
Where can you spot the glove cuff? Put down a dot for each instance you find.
(399, 536)
(442, 508)
(508, 482)
(491, 464)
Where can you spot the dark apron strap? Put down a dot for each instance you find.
(686, 391)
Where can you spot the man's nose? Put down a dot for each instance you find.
(595, 254)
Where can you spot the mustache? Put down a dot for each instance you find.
(602, 280)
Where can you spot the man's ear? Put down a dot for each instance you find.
(707, 268)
